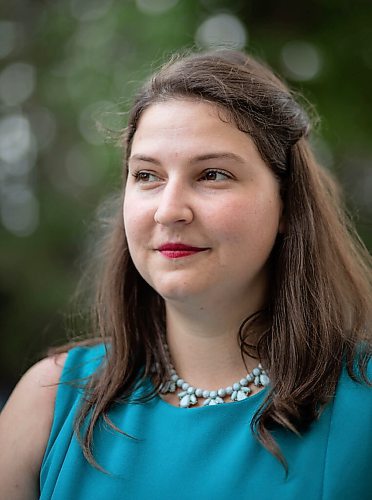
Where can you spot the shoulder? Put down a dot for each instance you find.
(81, 363)
(31, 404)
(43, 376)
(25, 423)
(84, 360)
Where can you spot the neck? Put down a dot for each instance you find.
(204, 346)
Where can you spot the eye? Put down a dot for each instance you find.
(215, 175)
(144, 176)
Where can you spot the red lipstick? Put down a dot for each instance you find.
(177, 250)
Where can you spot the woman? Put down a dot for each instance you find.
(232, 317)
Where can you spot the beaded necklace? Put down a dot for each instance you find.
(190, 395)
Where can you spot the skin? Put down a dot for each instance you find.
(195, 178)
(25, 424)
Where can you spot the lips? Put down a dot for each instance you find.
(177, 250)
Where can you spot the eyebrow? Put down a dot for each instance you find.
(203, 157)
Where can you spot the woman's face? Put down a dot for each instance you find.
(197, 181)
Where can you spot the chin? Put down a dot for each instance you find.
(176, 294)
(177, 291)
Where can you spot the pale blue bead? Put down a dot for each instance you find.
(264, 379)
(229, 390)
(219, 400)
(185, 401)
(193, 399)
(221, 393)
(199, 392)
(205, 394)
(207, 401)
(180, 381)
(185, 386)
(212, 402)
(174, 377)
(191, 390)
(243, 382)
(256, 371)
(233, 395)
(245, 390)
(250, 377)
(236, 386)
(257, 381)
(213, 394)
(181, 394)
(241, 395)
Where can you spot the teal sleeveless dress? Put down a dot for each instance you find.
(206, 452)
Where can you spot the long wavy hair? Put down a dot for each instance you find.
(317, 318)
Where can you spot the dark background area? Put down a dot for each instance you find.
(64, 64)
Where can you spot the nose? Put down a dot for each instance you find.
(174, 205)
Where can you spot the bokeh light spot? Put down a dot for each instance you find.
(8, 37)
(17, 83)
(221, 30)
(95, 35)
(15, 138)
(89, 10)
(301, 60)
(155, 6)
(19, 210)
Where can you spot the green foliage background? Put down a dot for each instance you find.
(85, 52)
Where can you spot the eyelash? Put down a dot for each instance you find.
(216, 171)
(138, 175)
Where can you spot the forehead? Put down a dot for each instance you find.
(186, 124)
(176, 111)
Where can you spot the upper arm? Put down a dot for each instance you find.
(25, 425)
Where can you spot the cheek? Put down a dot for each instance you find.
(254, 221)
(134, 214)
(132, 222)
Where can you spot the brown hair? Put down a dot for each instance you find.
(318, 315)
